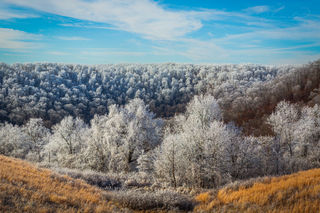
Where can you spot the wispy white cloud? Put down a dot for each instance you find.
(204, 50)
(208, 52)
(257, 45)
(143, 17)
(316, 44)
(89, 26)
(258, 9)
(73, 38)
(248, 47)
(306, 29)
(109, 52)
(17, 40)
(279, 9)
(58, 53)
(8, 13)
(248, 35)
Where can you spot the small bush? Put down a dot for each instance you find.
(109, 181)
(158, 200)
(100, 180)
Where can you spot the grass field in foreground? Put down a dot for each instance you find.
(26, 188)
(298, 192)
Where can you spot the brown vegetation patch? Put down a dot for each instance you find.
(26, 188)
(299, 192)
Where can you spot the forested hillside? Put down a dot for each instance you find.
(53, 91)
(250, 109)
(195, 149)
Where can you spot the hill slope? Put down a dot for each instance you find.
(52, 91)
(25, 188)
(299, 192)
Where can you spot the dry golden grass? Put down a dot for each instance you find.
(26, 188)
(299, 192)
(203, 197)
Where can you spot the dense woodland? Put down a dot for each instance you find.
(53, 91)
(235, 122)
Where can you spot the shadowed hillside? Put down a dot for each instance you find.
(298, 192)
(25, 188)
(251, 108)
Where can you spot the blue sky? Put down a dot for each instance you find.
(146, 31)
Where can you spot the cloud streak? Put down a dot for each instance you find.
(73, 38)
(110, 52)
(257, 9)
(58, 53)
(8, 13)
(143, 17)
(17, 40)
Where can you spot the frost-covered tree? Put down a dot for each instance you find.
(117, 140)
(67, 142)
(240, 154)
(283, 122)
(37, 136)
(13, 141)
(203, 150)
(97, 154)
(191, 153)
(307, 134)
(144, 130)
(203, 135)
(145, 162)
(297, 135)
(169, 163)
